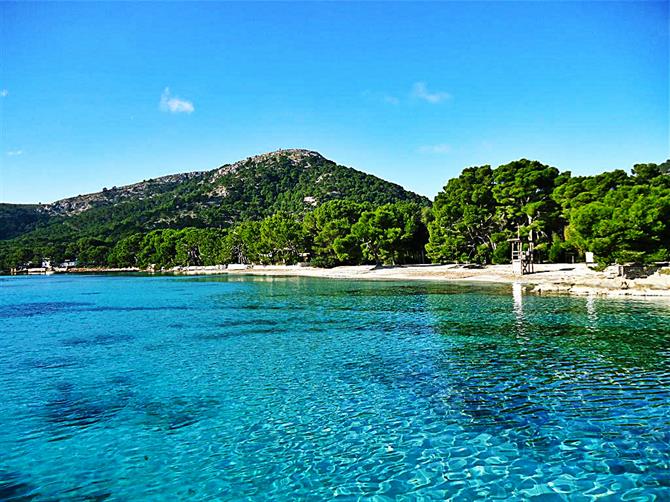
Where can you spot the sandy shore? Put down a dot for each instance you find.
(575, 279)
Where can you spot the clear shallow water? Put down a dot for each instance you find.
(152, 388)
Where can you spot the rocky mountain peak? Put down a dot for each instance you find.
(295, 155)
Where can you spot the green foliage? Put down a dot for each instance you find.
(578, 191)
(290, 182)
(241, 244)
(158, 249)
(476, 212)
(617, 217)
(16, 219)
(502, 253)
(124, 253)
(282, 239)
(522, 190)
(560, 251)
(390, 234)
(631, 223)
(199, 246)
(464, 219)
(328, 230)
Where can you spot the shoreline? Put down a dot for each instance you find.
(573, 279)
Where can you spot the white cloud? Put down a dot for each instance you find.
(391, 100)
(381, 97)
(420, 91)
(14, 153)
(4, 93)
(174, 104)
(440, 148)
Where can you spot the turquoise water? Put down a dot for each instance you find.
(169, 388)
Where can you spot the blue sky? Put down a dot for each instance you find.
(95, 94)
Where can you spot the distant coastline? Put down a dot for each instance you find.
(574, 279)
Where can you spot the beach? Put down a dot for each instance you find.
(576, 279)
(548, 278)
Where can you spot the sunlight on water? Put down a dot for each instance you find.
(152, 388)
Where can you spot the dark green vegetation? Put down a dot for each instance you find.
(294, 205)
(17, 219)
(252, 210)
(616, 216)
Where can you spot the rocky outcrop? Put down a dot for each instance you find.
(295, 156)
(657, 285)
(81, 203)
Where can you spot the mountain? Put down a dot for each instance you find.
(293, 180)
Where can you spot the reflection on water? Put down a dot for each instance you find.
(517, 295)
(283, 389)
(591, 311)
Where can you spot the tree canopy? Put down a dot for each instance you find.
(616, 216)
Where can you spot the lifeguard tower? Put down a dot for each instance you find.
(522, 259)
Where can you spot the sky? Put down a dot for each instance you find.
(94, 95)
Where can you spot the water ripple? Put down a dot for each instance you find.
(216, 389)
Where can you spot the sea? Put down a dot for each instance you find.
(138, 387)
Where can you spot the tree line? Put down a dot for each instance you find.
(337, 232)
(617, 216)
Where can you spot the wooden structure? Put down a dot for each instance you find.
(522, 259)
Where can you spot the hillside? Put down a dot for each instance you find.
(294, 181)
(294, 205)
(17, 219)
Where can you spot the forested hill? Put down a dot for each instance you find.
(294, 181)
(294, 205)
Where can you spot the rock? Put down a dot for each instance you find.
(551, 287)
